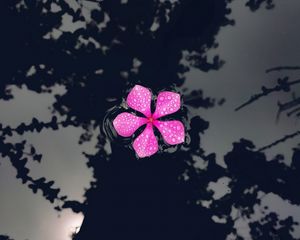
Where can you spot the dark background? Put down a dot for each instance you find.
(258, 40)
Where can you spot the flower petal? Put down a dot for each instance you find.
(167, 103)
(126, 123)
(146, 144)
(172, 131)
(139, 99)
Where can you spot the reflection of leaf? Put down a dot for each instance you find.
(256, 4)
(76, 206)
(5, 237)
(196, 99)
(37, 157)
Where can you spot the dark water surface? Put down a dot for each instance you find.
(80, 69)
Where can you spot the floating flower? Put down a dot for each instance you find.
(146, 143)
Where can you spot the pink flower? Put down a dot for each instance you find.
(139, 99)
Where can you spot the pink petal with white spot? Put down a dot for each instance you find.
(172, 131)
(146, 144)
(126, 124)
(167, 103)
(139, 99)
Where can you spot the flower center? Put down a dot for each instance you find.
(151, 119)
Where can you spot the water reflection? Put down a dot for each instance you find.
(97, 56)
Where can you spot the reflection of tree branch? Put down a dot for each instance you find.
(283, 85)
(281, 140)
(293, 111)
(16, 154)
(289, 105)
(282, 68)
(36, 125)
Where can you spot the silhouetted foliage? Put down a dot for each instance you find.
(115, 45)
(276, 229)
